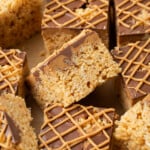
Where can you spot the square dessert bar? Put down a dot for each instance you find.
(76, 127)
(64, 19)
(15, 130)
(133, 20)
(19, 20)
(74, 71)
(13, 69)
(134, 59)
(132, 130)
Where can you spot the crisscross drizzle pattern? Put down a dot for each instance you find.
(135, 62)
(11, 67)
(133, 16)
(76, 127)
(76, 14)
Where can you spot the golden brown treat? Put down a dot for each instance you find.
(134, 59)
(133, 21)
(63, 20)
(19, 20)
(132, 132)
(13, 69)
(15, 130)
(76, 127)
(74, 71)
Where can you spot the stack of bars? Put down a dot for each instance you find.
(122, 21)
(133, 56)
(15, 130)
(77, 34)
(65, 19)
(19, 20)
(68, 75)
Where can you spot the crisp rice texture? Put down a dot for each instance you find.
(16, 108)
(132, 132)
(76, 70)
(76, 127)
(64, 20)
(20, 19)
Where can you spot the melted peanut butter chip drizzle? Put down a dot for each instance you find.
(134, 59)
(11, 66)
(133, 16)
(76, 127)
(76, 14)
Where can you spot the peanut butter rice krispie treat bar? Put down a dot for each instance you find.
(19, 19)
(13, 69)
(63, 20)
(77, 127)
(134, 59)
(133, 20)
(15, 130)
(132, 132)
(73, 71)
